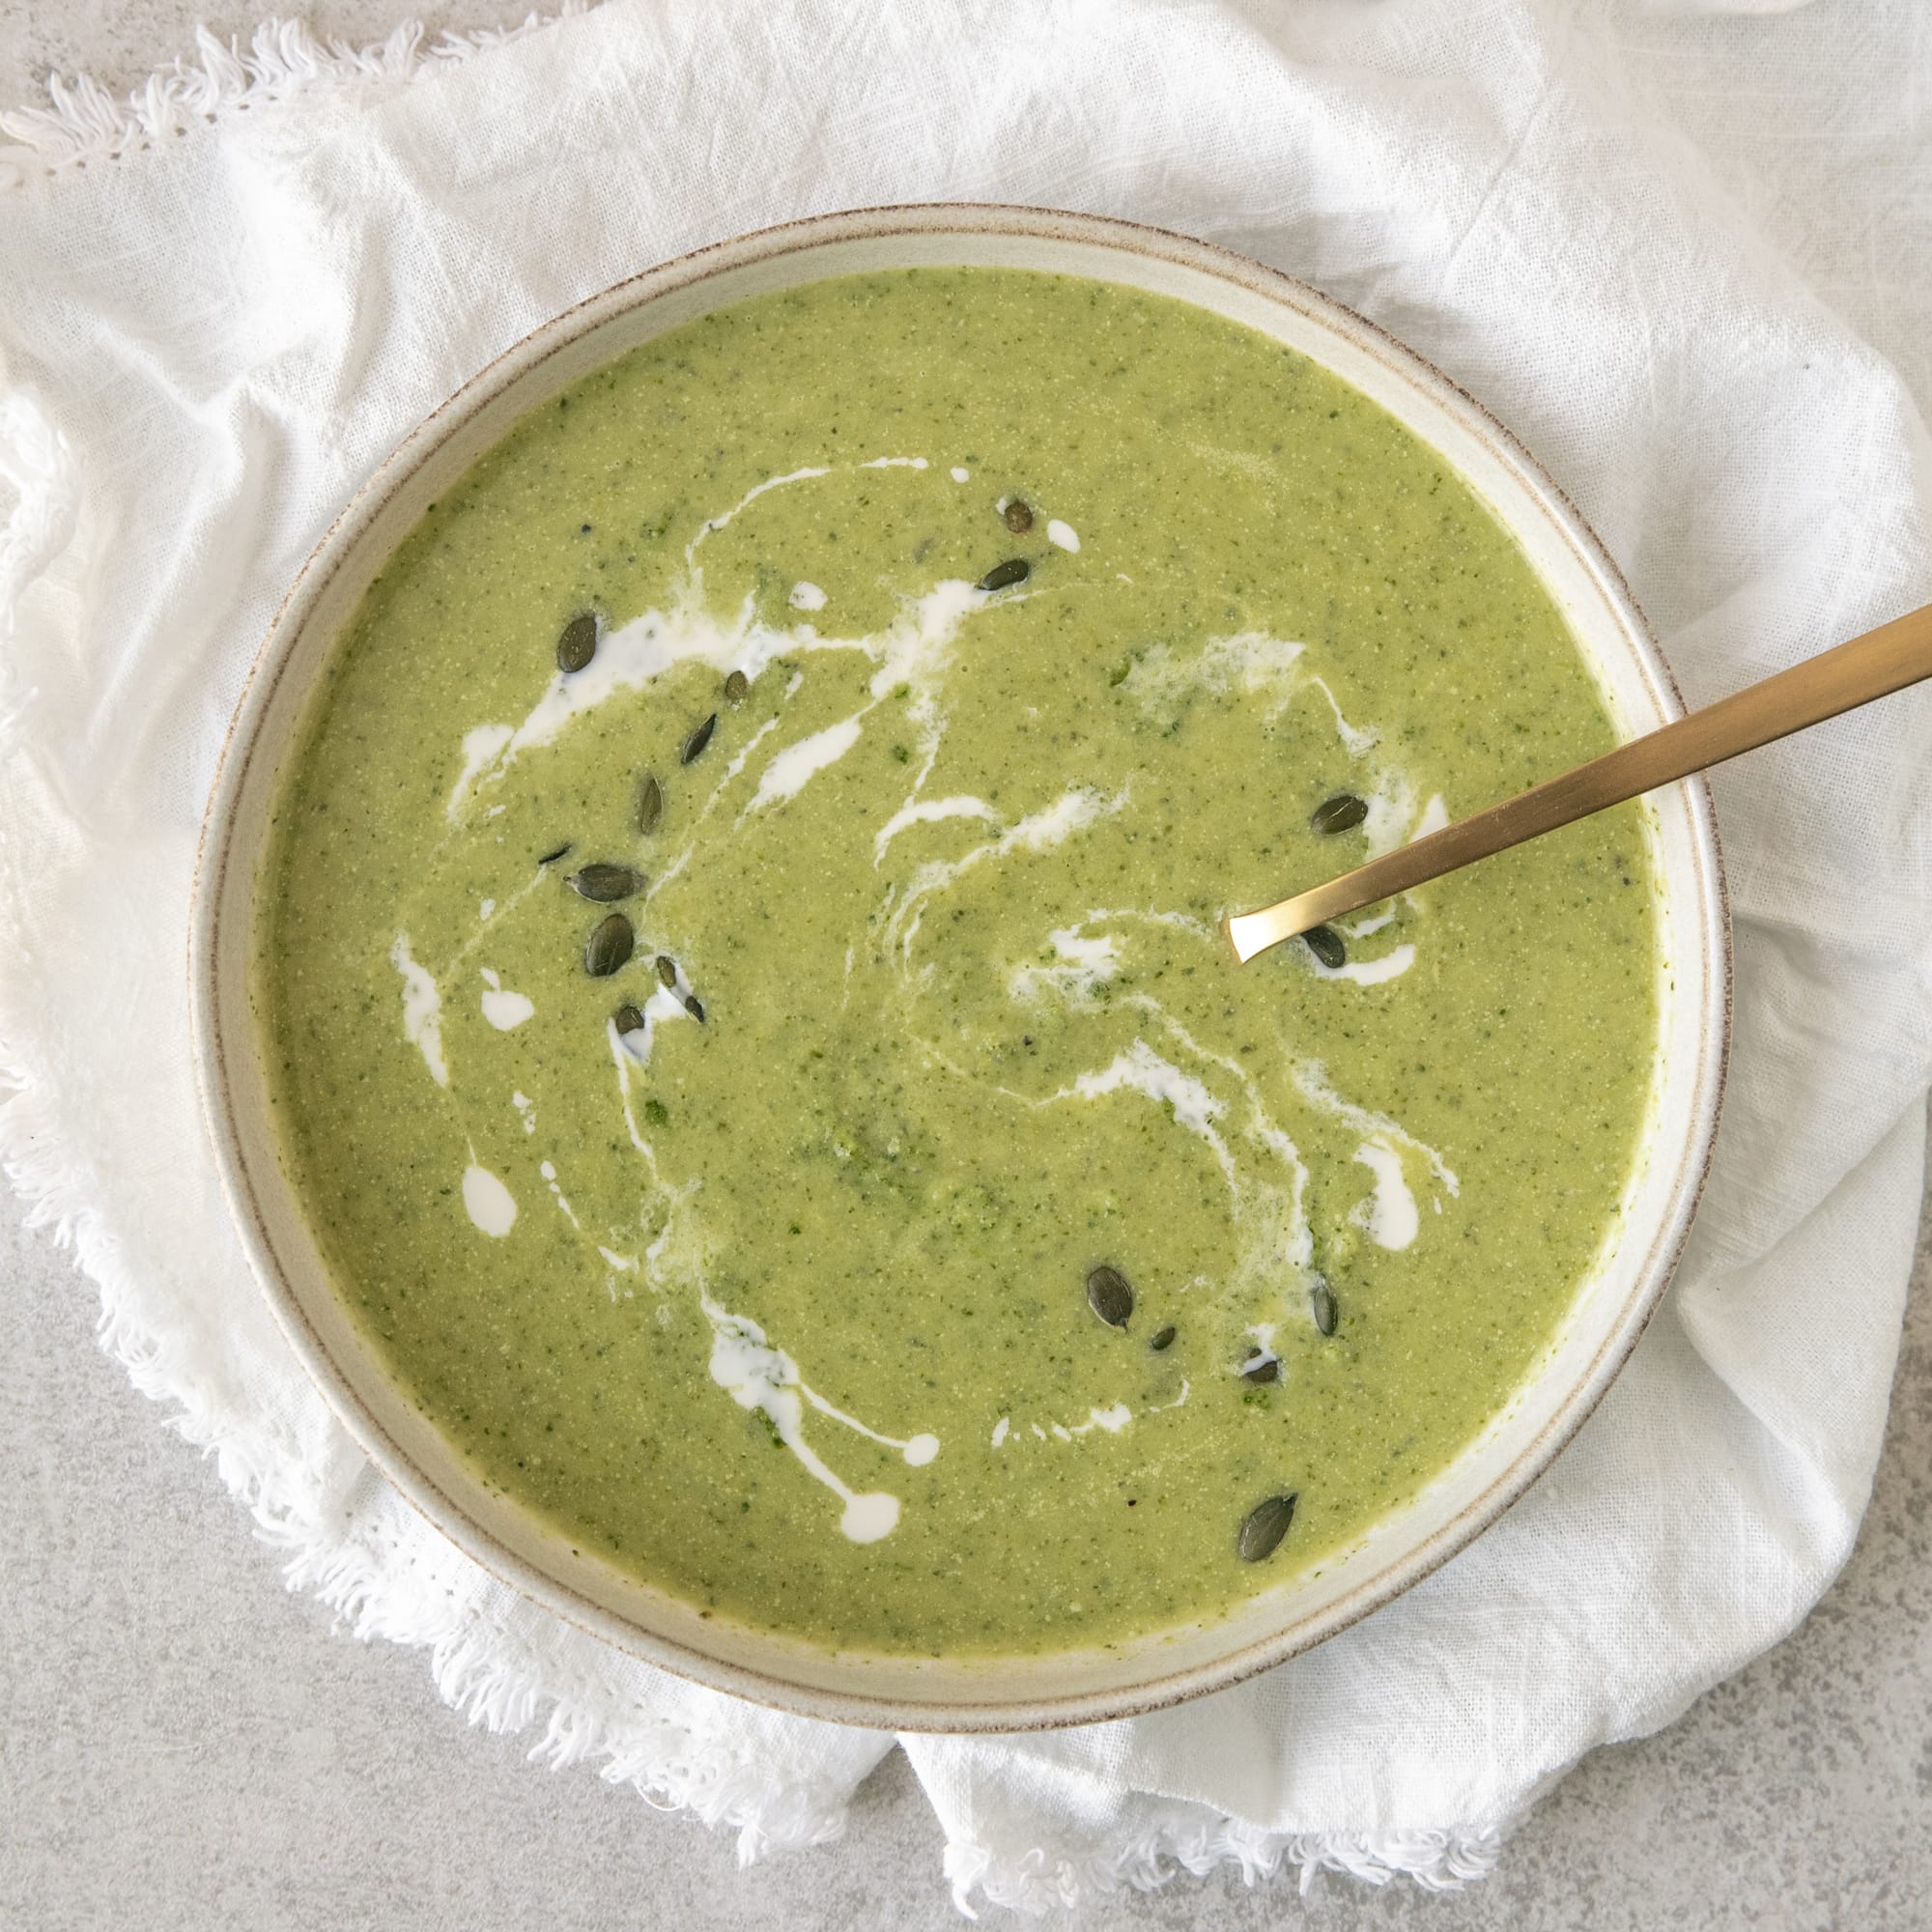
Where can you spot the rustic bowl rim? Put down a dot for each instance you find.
(514, 366)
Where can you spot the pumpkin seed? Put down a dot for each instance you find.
(1338, 813)
(551, 858)
(695, 745)
(1004, 576)
(693, 1008)
(1263, 1527)
(737, 688)
(578, 645)
(1321, 1304)
(1019, 517)
(1325, 943)
(628, 1018)
(602, 882)
(666, 970)
(1163, 1339)
(1109, 1297)
(608, 947)
(1269, 1371)
(651, 804)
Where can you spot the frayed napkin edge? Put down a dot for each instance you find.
(82, 124)
(1044, 1879)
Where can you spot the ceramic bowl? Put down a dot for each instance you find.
(950, 1694)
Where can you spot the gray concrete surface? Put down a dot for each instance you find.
(183, 1745)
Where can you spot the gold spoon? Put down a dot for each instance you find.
(1841, 679)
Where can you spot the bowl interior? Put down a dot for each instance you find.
(955, 1694)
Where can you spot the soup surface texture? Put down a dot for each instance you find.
(917, 1234)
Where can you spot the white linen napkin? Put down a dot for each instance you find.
(222, 303)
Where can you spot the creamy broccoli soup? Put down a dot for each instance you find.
(747, 1015)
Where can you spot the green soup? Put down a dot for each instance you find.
(923, 1237)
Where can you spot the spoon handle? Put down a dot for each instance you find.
(1841, 679)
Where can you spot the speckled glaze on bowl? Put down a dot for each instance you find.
(964, 1694)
